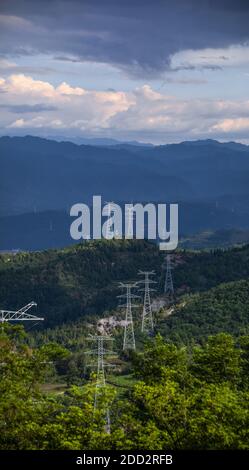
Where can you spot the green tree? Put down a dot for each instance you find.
(218, 360)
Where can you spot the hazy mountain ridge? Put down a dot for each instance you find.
(52, 175)
(201, 225)
(41, 179)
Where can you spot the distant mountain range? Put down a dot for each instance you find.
(201, 226)
(100, 141)
(207, 178)
(94, 141)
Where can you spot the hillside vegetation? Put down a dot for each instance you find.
(222, 308)
(185, 388)
(68, 284)
(179, 399)
(81, 281)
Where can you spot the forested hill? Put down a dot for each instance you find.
(82, 280)
(203, 270)
(223, 308)
(69, 283)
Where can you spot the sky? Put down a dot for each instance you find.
(157, 71)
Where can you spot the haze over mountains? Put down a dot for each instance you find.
(208, 179)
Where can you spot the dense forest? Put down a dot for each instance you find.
(180, 399)
(185, 387)
(82, 280)
(70, 283)
(222, 308)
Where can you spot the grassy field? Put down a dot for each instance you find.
(122, 383)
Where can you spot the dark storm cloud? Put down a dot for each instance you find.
(138, 36)
(27, 108)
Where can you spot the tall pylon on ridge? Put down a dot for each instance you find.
(168, 284)
(147, 316)
(19, 315)
(129, 336)
(100, 351)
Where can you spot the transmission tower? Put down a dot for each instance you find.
(129, 337)
(168, 285)
(147, 316)
(100, 388)
(19, 315)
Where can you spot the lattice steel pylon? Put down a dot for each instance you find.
(147, 315)
(19, 315)
(168, 284)
(129, 336)
(100, 351)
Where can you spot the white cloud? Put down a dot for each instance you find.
(66, 89)
(24, 85)
(232, 125)
(135, 114)
(17, 124)
(35, 123)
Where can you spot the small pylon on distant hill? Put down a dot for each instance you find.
(168, 284)
(147, 316)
